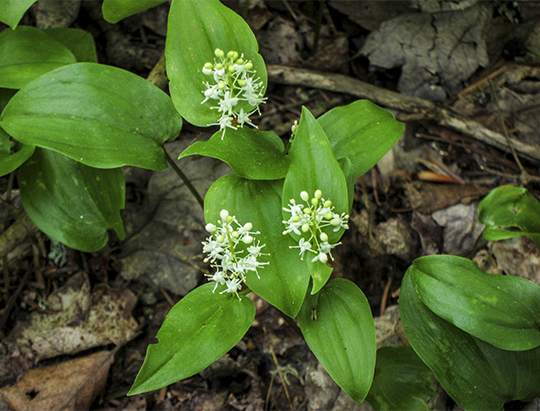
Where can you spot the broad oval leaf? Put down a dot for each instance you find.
(361, 131)
(402, 381)
(198, 330)
(284, 281)
(70, 202)
(79, 42)
(116, 10)
(314, 167)
(257, 155)
(509, 206)
(12, 11)
(501, 310)
(27, 53)
(477, 375)
(98, 115)
(338, 327)
(196, 28)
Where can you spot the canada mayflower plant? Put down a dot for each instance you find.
(310, 219)
(232, 252)
(233, 81)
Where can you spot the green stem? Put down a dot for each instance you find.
(184, 179)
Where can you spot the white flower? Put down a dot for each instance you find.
(233, 251)
(234, 81)
(310, 220)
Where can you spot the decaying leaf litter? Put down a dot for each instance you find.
(464, 78)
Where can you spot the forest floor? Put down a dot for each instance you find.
(464, 77)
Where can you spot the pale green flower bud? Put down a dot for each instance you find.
(335, 222)
(233, 55)
(314, 202)
(235, 234)
(304, 195)
(324, 237)
(221, 85)
(220, 238)
(210, 227)
(305, 228)
(308, 210)
(230, 219)
(296, 219)
(219, 53)
(318, 194)
(219, 66)
(231, 69)
(242, 83)
(239, 61)
(247, 239)
(327, 204)
(329, 216)
(248, 226)
(248, 66)
(209, 66)
(224, 214)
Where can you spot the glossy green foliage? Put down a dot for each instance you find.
(98, 115)
(477, 375)
(27, 53)
(361, 131)
(510, 207)
(116, 10)
(12, 154)
(258, 155)
(402, 381)
(338, 327)
(196, 28)
(70, 202)
(198, 330)
(79, 42)
(284, 281)
(12, 11)
(502, 310)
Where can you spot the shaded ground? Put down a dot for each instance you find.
(476, 60)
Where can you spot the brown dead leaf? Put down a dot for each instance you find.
(71, 385)
(427, 198)
(76, 320)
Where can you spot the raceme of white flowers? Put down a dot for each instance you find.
(232, 252)
(233, 81)
(310, 219)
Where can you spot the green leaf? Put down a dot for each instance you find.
(10, 161)
(284, 281)
(501, 310)
(98, 115)
(509, 206)
(116, 10)
(362, 131)
(198, 330)
(339, 328)
(475, 374)
(27, 53)
(320, 273)
(402, 381)
(70, 202)
(257, 155)
(12, 11)
(79, 42)
(314, 167)
(196, 28)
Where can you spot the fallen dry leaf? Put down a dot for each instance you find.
(77, 320)
(71, 385)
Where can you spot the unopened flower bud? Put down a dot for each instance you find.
(233, 55)
(324, 237)
(247, 239)
(231, 69)
(314, 202)
(235, 234)
(242, 83)
(323, 258)
(248, 66)
(318, 194)
(327, 204)
(221, 85)
(328, 216)
(210, 227)
(304, 195)
(239, 61)
(224, 214)
(220, 238)
(230, 219)
(219, 53)
(305, 228)
(296, 219)
(219, 66)
(248, 226)
(308, 210)
(335, 222)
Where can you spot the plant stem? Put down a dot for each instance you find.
(184, 179)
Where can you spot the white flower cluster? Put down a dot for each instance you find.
(232, 252)
(311, 219)
(233, 81)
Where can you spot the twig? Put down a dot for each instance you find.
(408, 107)
(13, 299)
(279, 370)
